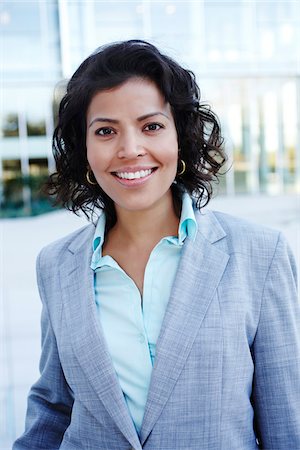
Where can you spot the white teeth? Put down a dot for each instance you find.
(134, 175)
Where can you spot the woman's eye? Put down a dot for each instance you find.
(105, 131)
(153, 127)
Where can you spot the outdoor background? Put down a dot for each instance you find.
(246, 57)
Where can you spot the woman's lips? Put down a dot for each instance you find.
(136, 178)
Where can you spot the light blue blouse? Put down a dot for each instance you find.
(131, 327)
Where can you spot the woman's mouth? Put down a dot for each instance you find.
(134, 178)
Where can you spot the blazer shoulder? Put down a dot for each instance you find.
(244, 236)
(235, 224)
(53, 252)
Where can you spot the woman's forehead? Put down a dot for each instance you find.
(135, 94)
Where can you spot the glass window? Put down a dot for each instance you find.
(278, 31)
(38, 167)
(114, 20)
(34, 105)
(30, 39)
(36, 127)
(224, 29)
(12, 183)
(170, 23)
(11, 168)
(10, 125)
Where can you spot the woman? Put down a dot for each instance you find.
(163, 327)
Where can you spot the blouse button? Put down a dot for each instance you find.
(141, 338)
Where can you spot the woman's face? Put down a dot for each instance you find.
(132, 145)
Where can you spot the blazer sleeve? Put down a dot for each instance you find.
(276, 353)
(50, 399)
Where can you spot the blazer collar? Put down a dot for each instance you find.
(199, 273)
(193, 290)
(86, 336)
(209, 226)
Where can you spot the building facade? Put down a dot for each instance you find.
(246, 56)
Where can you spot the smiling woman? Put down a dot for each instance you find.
(138, 65)
(134, 153)
(164, 326)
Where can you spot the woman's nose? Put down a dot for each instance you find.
(130, 146)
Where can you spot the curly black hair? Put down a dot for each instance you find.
(198, 129)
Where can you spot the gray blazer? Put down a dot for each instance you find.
(227, 369)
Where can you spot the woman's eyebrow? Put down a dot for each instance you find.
(156, 113)
(103, 119)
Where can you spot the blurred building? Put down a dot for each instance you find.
(246, 56)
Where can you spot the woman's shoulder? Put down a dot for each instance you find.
(71, 242)
(241, 225)
(256, 244)
(240, 235)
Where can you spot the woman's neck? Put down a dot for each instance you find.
(143, 227)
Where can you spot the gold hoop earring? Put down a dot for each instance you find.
(88, 177)
(183, 168)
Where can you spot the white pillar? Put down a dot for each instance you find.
(65, 47)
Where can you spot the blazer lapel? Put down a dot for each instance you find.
(191, 295)
(87, 339)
